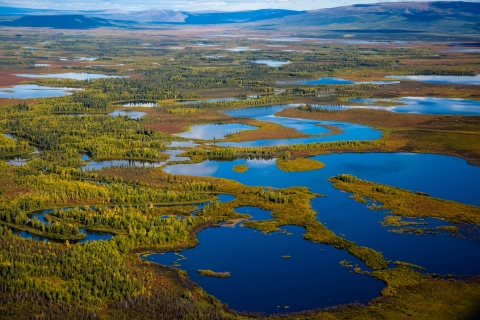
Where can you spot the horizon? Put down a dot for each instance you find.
(195, 6)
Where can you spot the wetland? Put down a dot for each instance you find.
(177, 182)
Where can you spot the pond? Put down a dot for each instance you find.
(214, 131)
(28, 91)
(423, 105)
(94, 165)
(241, 49)
(70, 75)
(271, 63)
(474, 80)
(331, 80)
(132, 114)
(350, 131)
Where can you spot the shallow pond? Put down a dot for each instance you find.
(27, 91)
(254, 258)
(214, 131)
(271, 63)
(442, 79)
(132, 114)
(70, 75)
(174, 155)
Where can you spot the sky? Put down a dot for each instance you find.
(186, 5)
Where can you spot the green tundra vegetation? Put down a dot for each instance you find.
(149, 211)
(406, 203)
(210, 273)
(299, 164)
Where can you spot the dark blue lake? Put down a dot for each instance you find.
(261, 280)
(458, 181)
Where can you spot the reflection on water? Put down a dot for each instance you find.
(271, 63)
(214, 131)
(27, 91)
(442, 79)
(132, 114)
(423, 105)
(350, 131)
(93, 165)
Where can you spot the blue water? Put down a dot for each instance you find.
(69, 75)
(458, 181)
(351, 131)
(174, 153)
(214, 131)
(424, 105)
(93, 165)
(132, 114)
(40, 215)
(330, 80)
(442, 79)
(261, 280)
(27, 91)
(256, 213)
(271, 63)
(222, 198)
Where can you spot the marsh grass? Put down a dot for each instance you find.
(298, 165)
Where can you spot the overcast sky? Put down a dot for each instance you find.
(184, 5)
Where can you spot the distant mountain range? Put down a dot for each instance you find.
(454, 17)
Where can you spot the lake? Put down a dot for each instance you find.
(28, 91)
(475, 80)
